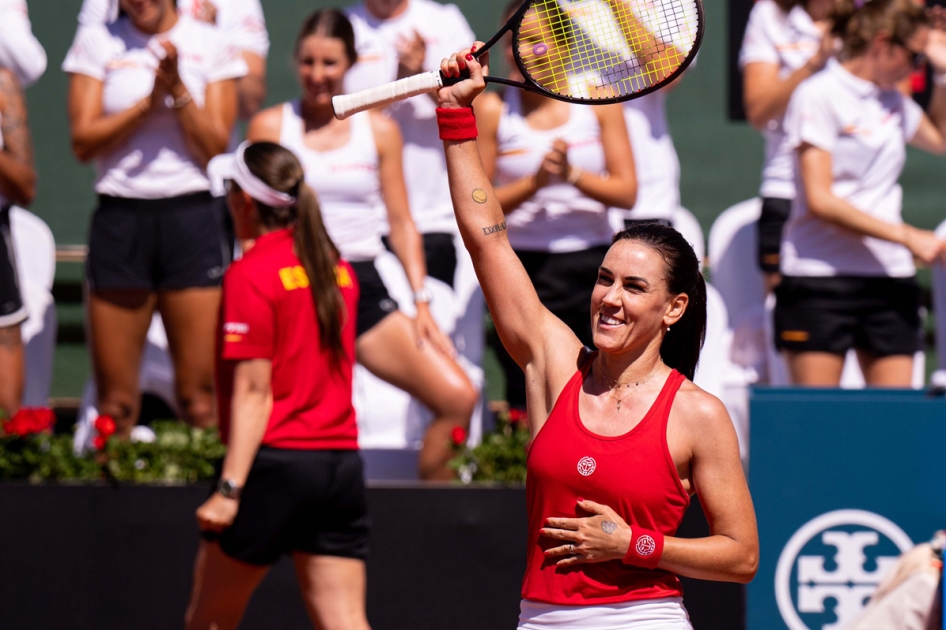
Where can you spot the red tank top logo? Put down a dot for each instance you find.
(586, 466)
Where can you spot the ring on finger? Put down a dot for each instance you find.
(571, 549)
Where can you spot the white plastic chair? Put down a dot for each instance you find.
(35, 250)
(688, 225)
(716, 372)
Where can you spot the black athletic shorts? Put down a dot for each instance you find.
(12, 308)
(440, 254)
(564, 283)
(878, 315)
(769, 231)
(157, 244)
(375, 302)
(299, 500)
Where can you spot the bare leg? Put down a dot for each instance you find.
(815, 369)
(222, 589)
(892, 371)
(190, 318)
(334, 591)
(118, 325)
(12, 368)
(388, 350)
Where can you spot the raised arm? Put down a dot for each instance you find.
(537, 340)
(931, 134)
(660, 58)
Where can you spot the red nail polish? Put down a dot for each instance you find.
(469, 57)
(473, 49)
(580, 499)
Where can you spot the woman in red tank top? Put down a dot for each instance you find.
(621, 436)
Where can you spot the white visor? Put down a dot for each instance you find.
(231, 166)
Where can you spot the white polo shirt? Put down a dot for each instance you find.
(788, 41)
(241, 20)
(865, 129)
(445, 30)
(154, 162)
(20, 51)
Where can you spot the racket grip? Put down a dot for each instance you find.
(345, 105)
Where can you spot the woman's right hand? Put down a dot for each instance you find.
(462, 94)
(217, 513)
(924, 245)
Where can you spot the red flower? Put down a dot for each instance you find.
(105, 426)
(27, 421)
(458, 436)
(99, 442)
(518, 415)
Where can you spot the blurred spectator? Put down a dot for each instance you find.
(17, 186)
(396, 39)
(19, 49)
(152, 99)
(243, 27)
(786, 41)
(847, 257)
(354, 166)
(557, 168)
(658, 176)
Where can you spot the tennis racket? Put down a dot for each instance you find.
(581, 51)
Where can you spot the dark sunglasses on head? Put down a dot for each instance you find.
(917, 59)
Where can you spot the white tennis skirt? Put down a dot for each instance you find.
(667, 613)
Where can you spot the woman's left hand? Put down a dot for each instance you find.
(462, 94)
(427, 331)
(598, 538)
(217, 513)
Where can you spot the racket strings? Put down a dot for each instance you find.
(598, 49)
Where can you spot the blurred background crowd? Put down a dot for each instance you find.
(813, 265)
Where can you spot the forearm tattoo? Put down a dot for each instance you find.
(609, 527)
(479, 195)
(493, 229)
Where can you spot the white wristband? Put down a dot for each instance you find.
(423, 296)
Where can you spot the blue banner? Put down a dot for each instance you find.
(843, 482)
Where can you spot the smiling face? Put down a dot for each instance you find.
(631, 306)
(321, 64)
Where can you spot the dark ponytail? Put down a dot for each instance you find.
(682, 345)
(280, 169)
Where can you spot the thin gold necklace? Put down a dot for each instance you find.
(614, 385)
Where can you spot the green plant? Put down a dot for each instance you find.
(500, 457)
(179, 454)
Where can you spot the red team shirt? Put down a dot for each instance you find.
(266, 312)
(633, 473)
